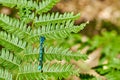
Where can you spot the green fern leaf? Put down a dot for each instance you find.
(5, 75)
(56, 70)
(46, 5)
(56, 31)
(43, 6)
(11, 42)
(55, 18)
(62, 54)
(19, 3)
(14, 26)
(8, 60)
(53, 53)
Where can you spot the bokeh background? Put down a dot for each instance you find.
(100, 39)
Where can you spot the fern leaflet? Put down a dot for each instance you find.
(54, 18)
(19, 3)
(46, 5)
(13, 43)
(5, 75)
(55, 31)
(8, 60)
(56, 70)
(14, 26)
(52, 53)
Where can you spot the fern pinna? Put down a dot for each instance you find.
(19, 39)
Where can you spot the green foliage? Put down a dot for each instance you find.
(8, 60)
(19, 39)
(13, 43)
(55, 31)
(109, 62)
(40, 7)
(54, 18)
(5, 75)
(109, 41)
(56, 70)
(113, 75)
(14, 26)
(57, 53)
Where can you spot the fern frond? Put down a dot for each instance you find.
(56, 70)
(14, 26)
(5, 75)
(52, 53)
(11, 42)
(8, 60)
(43, 6)
(55, 18)
(56, 31)
(19, 3)
(62, 54)
(46, 5)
